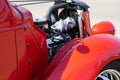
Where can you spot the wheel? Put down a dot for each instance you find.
(110, 72)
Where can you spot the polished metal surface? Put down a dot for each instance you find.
(109, 74)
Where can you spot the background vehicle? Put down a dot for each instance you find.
(60, 47)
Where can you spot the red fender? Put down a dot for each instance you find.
(84, 60)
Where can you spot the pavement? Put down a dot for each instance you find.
(100, 10)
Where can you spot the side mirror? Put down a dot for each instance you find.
(104, 27)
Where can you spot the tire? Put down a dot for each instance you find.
(110, 72)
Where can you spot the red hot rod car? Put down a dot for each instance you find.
(60, 47)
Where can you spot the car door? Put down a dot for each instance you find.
(8, 58)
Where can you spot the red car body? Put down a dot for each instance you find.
(23, 47)
(24, 55)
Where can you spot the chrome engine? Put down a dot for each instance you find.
(59, 35)
(61, 24)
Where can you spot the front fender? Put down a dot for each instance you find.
(87, 58)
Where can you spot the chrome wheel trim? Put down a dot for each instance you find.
(110, 74)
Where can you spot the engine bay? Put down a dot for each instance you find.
(61, 25)
(60, 32)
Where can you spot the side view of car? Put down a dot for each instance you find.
(61, 46)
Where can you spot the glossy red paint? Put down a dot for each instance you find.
(104, 27)
(24, 56)
(64, 51)
(23, 47)
(84, 60)
(31, 48)
(8, 54)
(5, 14)
(33, 60)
